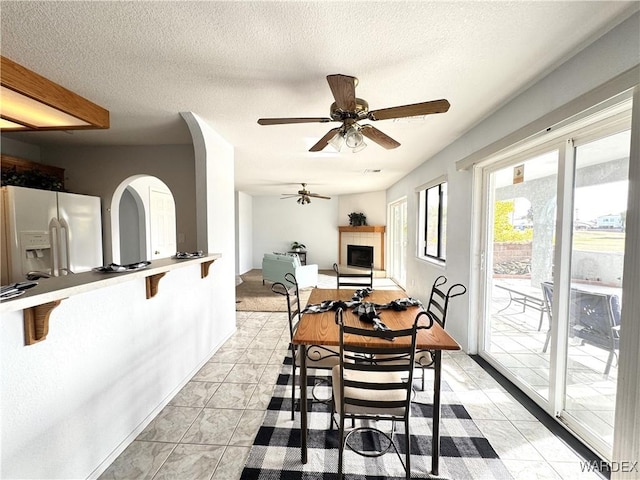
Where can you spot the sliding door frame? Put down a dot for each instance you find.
(612, 120)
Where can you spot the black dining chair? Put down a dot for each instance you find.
(369, 388)
(354, 276)
(437, 309)
(318, 356)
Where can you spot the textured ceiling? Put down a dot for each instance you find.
(234, 62)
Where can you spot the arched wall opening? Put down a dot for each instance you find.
(143, 225)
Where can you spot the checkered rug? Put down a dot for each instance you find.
(464, 453)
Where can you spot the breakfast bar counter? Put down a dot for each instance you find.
(89, 359)
(58, 288)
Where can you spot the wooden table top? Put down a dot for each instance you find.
(321, 329)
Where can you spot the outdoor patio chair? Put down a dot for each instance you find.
(367, 387)
(547, 296)
(317, 356)
(594, 318)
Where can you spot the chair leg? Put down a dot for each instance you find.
(608, 367)
(331, 412)
(407, 445)
(424, 372)
(541, 317)
(293, 389)
(341, 446)
(546, 342)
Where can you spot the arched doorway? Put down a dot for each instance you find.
(143, 220)
(133, 234)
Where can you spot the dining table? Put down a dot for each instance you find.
(321, 329)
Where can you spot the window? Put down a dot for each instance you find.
(433, 202)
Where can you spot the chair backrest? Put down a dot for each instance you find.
(291, 292)
(358, 354)
(438, 306)
(592, 315)
(593, 318)
(354, 278)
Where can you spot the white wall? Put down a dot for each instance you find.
(15, 148)
(111, 361)
(609, 56)
(214, 165)
(373, 205)
(244, 233)
(277, 223)
(99, 170)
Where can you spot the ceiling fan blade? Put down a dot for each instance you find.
(413, 110)
(324, 141)
(280, 121)
(315, 195)
(380, 138)
(343, 88)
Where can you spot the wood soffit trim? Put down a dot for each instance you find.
(22, 80)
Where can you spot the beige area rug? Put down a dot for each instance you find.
(252, 296)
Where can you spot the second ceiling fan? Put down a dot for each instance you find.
(305, 195)
(349, 110)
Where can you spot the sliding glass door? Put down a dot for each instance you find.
(553, 250)
(597, 256)
(521, 201)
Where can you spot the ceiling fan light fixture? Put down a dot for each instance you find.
(353, 137)
(337, 141)
(360, 147)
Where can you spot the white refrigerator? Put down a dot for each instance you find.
(54, 232)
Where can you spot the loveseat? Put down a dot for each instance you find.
(276, 265)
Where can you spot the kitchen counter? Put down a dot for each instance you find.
(58, 288)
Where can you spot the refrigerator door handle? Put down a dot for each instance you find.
(64, 238)
(54, 239)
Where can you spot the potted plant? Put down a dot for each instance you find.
(297, 247)
(357, 219)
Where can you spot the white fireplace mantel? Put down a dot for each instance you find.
(367, 235)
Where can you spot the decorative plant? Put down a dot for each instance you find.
(357, 219)
(297, 246)
(31, 179)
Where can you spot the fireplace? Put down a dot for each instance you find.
(359, 256)
(371, 236)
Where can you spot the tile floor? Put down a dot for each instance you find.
(517, 344)
(207, 430)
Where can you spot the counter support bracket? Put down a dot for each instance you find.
(152, 284)
(204, 268)
(36, 322)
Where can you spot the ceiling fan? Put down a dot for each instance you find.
(305, 195)
(349, 110)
